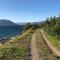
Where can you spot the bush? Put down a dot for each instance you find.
(53, 26)
(27, 26)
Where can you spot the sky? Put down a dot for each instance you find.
(28, 10)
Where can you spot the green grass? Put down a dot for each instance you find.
(18, 48)
(13, 53)
(54, 41)
(42, 49)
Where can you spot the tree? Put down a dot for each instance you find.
(35, 26)
(27, 26)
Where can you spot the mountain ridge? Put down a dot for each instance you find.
(4, 22)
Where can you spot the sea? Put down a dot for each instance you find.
(10, 31)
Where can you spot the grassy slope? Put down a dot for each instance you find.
(43, 51)
(54, 41)
(18, 48)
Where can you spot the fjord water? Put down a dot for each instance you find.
(10, 31)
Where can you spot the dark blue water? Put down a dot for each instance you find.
(10, 31)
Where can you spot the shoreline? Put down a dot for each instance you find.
(3, 40)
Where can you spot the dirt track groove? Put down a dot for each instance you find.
(34, 52)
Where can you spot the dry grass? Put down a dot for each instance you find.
(43, 51)
(54, 41)
(18, 48)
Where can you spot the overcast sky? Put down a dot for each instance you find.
(28, 10)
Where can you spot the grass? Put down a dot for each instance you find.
(18, 48)
(54, 41)
(42, 49)
(13, 53)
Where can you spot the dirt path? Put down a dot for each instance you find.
(39, 48)
(51, 47)
(34, 53)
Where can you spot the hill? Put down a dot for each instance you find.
(4, 22)
(21, 23)
(17, 48)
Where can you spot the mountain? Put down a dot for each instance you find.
(21, 23)
(4, 22)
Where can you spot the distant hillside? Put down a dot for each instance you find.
(7, 23)
(22, 23)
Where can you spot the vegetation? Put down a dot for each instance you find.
(18, 48)
(44, 52)
(52, 26)
(52, 31)
(29, 25)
